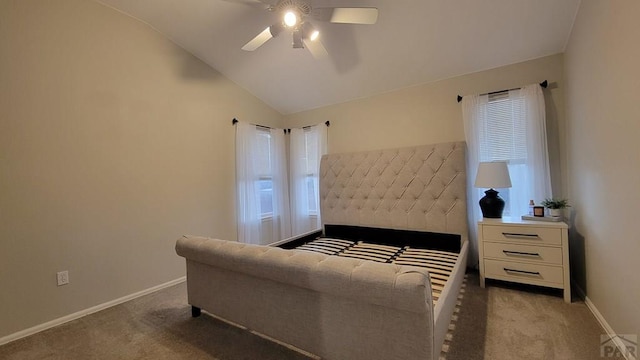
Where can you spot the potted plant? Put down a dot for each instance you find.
(556, 206)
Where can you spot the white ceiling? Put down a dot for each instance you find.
(413, 42)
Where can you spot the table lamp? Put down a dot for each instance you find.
(492, 175)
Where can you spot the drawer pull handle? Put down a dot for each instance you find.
(520, 236)
(519, 253)
(522, 272)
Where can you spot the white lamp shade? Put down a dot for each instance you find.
(493, 175)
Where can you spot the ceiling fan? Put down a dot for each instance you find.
(297, 16)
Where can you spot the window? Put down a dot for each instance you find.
(265, 186)
(311, 169)
(265, 212)
(262, 185)
(265, 172)
(507, 126)
(503, 137)
(307, 147)
(312, 186)
(504, 134)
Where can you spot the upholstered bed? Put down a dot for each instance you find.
(420, 193)
(379, 282)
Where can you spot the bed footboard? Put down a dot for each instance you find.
(333, 307)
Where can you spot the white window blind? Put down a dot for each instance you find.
(503, 137)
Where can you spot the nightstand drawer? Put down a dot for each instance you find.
(523, 235)
(535, 274)
(517, 252)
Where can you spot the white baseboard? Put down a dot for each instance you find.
(605, 325)
(85, 312)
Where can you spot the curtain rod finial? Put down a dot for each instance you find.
(327, 123)
(544, 84)
(234, 121)
(459, 98)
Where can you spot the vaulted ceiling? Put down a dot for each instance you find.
(413, 42)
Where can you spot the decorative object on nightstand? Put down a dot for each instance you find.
(556, 206)
(528, 252)
(540, 218)
(538, 211)
(492, 175)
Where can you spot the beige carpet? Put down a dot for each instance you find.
(511, 321)
(498, 322)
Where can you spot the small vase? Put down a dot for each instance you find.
(556, 213)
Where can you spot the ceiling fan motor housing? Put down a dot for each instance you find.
(302, 8)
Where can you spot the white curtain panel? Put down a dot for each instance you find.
(539, 186)
(281, 227)
(300, 216)
(248, 193)
(251, 164)
(322, 139)
(474, 114)
(530, 177)
(306, 149)
(528, 163)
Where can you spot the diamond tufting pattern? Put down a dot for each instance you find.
(414, 188)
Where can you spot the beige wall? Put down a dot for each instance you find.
(429, 113)
(113, 143)
(603, 117)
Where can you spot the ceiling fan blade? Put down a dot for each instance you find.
(259, 40)
(366, 16)
(316, 48)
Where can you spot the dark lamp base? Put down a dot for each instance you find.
(491, 205)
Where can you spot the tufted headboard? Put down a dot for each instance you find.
(414, 188)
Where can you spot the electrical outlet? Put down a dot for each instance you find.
(63, 277)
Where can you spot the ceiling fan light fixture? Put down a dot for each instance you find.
(290, 18)
(309, 32)
(314, 35)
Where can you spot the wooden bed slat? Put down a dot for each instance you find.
(321, 249)
(363, 257)
(372, 251)
(428, 256)
(439, 263)
(447, 253)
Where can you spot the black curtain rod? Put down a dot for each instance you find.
(235, 121)
(326, 123)
(544, 85)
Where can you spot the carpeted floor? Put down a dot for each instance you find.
(511, 321)
(503, 321)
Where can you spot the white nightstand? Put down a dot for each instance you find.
(528, 252)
